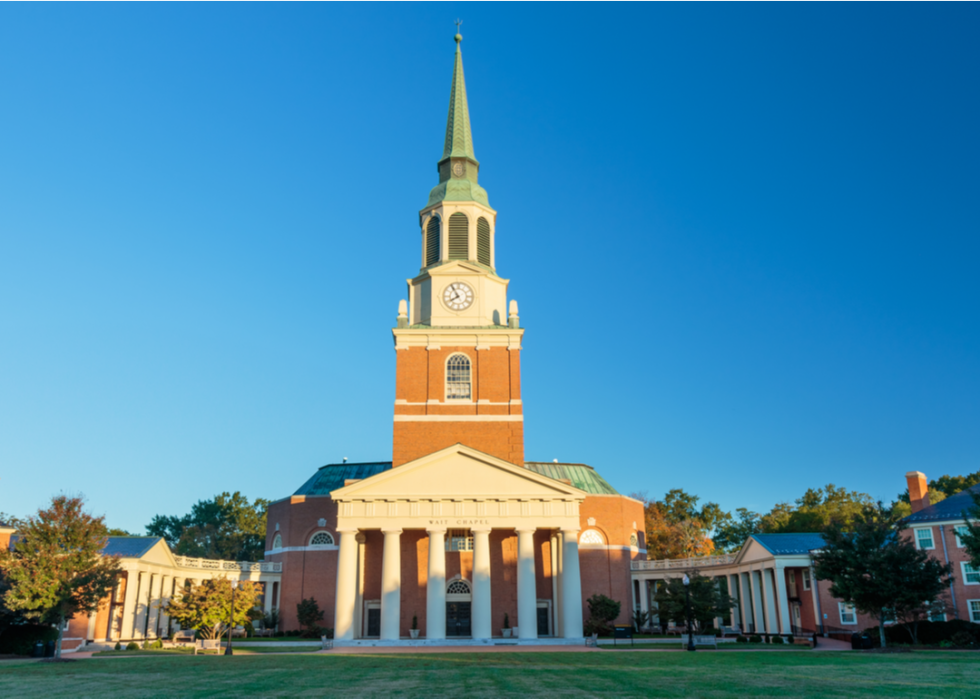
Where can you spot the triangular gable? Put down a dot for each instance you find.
(458, 472)
(160, 554)
(752, 551)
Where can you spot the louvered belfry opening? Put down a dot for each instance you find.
(483, 241)
(432, 241)
(459, 237)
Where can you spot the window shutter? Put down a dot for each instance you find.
(459, 237)
(432, 241)
(483, 241)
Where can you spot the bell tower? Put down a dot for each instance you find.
(457, 341)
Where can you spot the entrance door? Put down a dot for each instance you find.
(374, 622)
(543, 621)
(796, 617)
(458, 619)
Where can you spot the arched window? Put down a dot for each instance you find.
(321, 539)
(459, 237)
(483, 241)
(458, 587)
(591, 536)
(277, 541)
(432, 241)
(458, 377)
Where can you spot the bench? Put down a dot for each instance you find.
(207, 644)
(326, 643)
(702, 641)
(592, 641)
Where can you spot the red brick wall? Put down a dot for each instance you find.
(607, 571)
(413, 440)
(962, 591)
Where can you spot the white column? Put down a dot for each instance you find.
(815, 595)
(571, 586)
(555, 592)
(783, 600)
(527, 588)
(90, 631)
(391, 586)
(745, 602)
(346, 585)
(435, 586)
(359, 594)
(769, 595)
(266, 596)
(481, 610)
(139, 604)
(755, 581)
(165, 592)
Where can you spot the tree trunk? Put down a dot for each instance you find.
(61, 633)
(881, 625)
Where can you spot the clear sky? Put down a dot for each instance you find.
(744, 240)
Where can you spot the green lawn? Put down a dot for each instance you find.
(486, 675)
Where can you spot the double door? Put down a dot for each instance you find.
(458, 619)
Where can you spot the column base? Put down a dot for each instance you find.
(473, 642)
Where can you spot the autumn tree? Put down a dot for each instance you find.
(872, 566)
(227, 527)
(677, 528)
(206, 606)
(56, 569)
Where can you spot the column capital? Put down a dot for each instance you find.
(347, 530)
(481, 530)
(386, 532)
(525, 530)
(435, 530)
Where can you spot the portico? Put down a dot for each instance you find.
(480, 502)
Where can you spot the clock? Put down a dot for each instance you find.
(457, 296)
(459, 168)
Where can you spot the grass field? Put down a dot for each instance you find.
(478, 676)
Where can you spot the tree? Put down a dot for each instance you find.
(876, 569)
(309, 615)
(206, 606)
(677, 528)
(226, 527)
(603, 611)
(911, 616)
(971, 538)
(731, 535)
(57, 570)
(708, 600)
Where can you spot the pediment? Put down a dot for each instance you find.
(752, 551)
(458, 473)
(160, 554)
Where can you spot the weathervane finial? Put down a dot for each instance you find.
(458, 37)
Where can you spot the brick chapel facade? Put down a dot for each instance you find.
(457, 535)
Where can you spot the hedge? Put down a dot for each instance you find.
(20, 639)
(931, 633)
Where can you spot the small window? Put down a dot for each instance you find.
(591, 536)
(971, 574)
(791, 578)
(432, 241)
(483, 241)
(459, 237)
(806, 579)
(459, 540)
(634, 542)
(321, 539)
(277, 542)
(458, 587)
(975, 610)
(847, 613)
(923, 538)
(937, 614)
(961, 531)
(458, 378)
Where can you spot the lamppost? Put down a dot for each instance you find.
(231, 623)
(687, 595)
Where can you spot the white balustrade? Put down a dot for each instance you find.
(212, 564)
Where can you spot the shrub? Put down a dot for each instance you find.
(20, 639)
(755, 638)
(602, 612)
(776, 640)
(308, 614)
(931, 633)
(118, 646)
(962, 638)
(157, 645)
(327, 632)
(132, 645)
(741, 639)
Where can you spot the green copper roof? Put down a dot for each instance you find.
(582, 476)
(459, 138)
(458, 166)
(333, 476)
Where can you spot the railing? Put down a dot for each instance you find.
(212, 564)
(682, 563)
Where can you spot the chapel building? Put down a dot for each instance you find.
(457, 537)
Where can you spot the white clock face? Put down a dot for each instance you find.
(459, 169)
(458, 296)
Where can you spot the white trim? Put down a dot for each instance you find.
(318, 547)
(459, 418)
(287, 549)
(840, 613)
(956, 533)
(976, 571)
(932, 538)
(970, 612)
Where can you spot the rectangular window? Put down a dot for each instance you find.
(791, 577)
(806, 580)
(923, 538)
(937, 616)
(971, 575)
(975, 610)
(459, 540)
(961, 530)
(847, 613)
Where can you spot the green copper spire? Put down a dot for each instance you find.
(458, 167)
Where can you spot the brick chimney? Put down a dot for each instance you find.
(918, 490)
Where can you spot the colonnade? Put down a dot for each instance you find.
(346, 616)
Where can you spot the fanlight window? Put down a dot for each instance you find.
(321, 539)
(458, 587)
(432, 241)
(459, 540)
(459, 237)
(483, 241)
(277, 541)
(591, 536)
(458, 377)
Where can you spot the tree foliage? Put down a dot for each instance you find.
(872, 566)
(708, 600)
(971, 538)
(227, 527)
(677, 528)
(603, 611)
(56, 569)
(309, 615)
(206, 606)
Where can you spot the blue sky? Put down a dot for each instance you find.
(744, 240)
